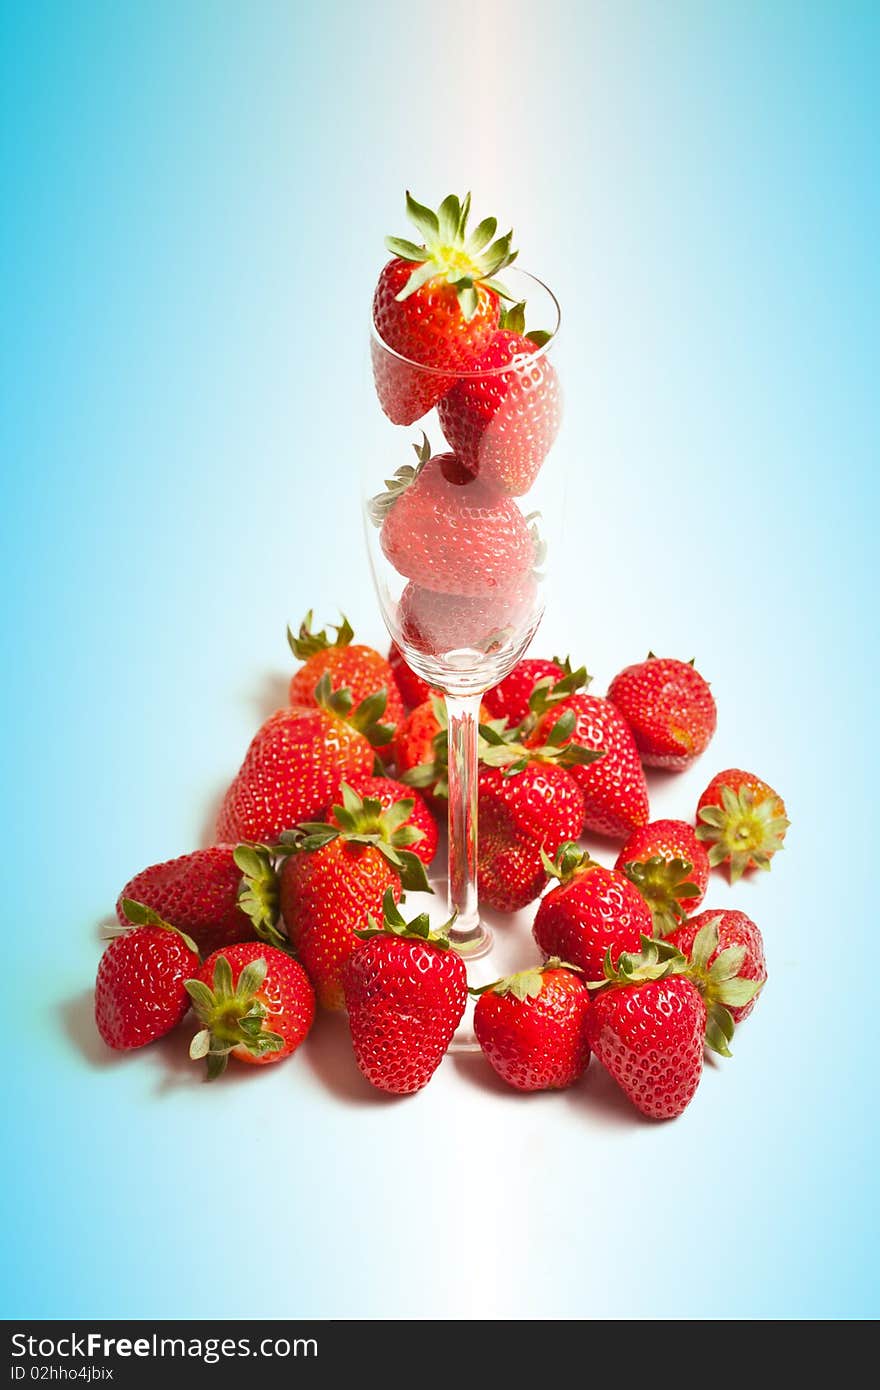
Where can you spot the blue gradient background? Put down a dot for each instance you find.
(194, 198)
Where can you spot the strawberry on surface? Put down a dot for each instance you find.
(591, 912)
(509, 699)
(647, 1027)
(388, 793)
(669, 707)
(436, 623)
(737, 978)
(295, 761)
(503, 425)
(421, 751)
(349, 665)
(670, 868)
(520, 814)
(449, 532)
(405, 991)
(254, 1002)
(413, 689)
(528, 805)
(336, 876)
(614, 787)
(742, 821)
(434, 306)
(532, 1027)
(217, 895)
(139, 992)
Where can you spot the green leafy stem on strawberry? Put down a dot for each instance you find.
(525, 984)
(448, 252)
(720, 984)
(364, 820)
(394, 924)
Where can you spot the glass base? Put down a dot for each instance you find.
(474, 944)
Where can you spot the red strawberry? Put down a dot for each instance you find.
(592, 911)
(532, 1027)
(253, 1002)
(139, 992)
(742, 820)
(647, 1027)
(295, 761)
(435, 623)
(503, 425)
(406, 992)
(433, 306)
(388, 793)
(335, 880)
(350, 666)
(217, 895)
(519, 814)
(669, 707)
(529, 805)
(451, 533)
(411, 686)
(509, 699)
(670, 868)
(726, 955)
(614, 787)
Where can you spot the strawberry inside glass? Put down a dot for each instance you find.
(462, 486)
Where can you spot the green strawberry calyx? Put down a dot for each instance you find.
(393, 924)
(140, 915)
(656, 961)
(258, 892)
(569, 862)
(665, 884)
(513, 318)
(379, 506)
(500, 747)
(448, 253)
(433, 774)
(549, 692)
(364, 821)
(743, 830)
(525, 984)
(308, 643)
(231, 1015)
(720, 984)
(364, 717)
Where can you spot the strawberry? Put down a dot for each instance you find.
(388, 793)
(614, 787)
(670, 868)
(647, 1026)
(669, 707)
(528, 805)
(217, 895)
(139, 992)
(742, 820)
(509, 699)
(413, 689)
(434, 306)
(503, 425)
(451, 533)
(335, 877)
(421, 750)
(406, 992)
(253, 1002)
(532, 1027)
(592, 912)
(435, 624)
(725, 952)
(350, 666)
(295, 761)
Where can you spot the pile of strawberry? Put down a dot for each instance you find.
(330, 821)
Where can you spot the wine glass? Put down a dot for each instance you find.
(463, 504)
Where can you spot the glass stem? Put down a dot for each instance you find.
(463, 713)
